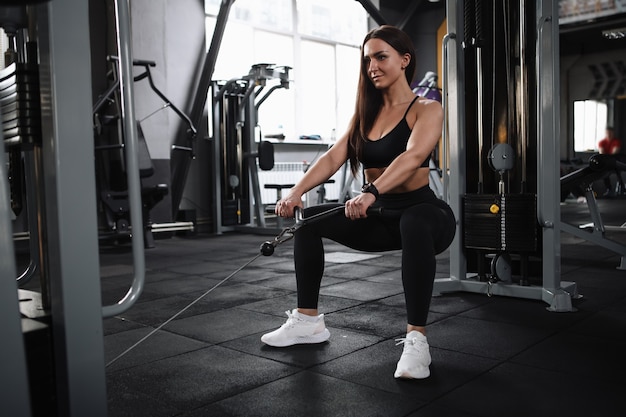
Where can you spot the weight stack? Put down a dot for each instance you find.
(235, 212)
(500, 222)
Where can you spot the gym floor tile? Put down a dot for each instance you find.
(180, 285)
(355, 270)
(457, 302)
(518, 391)
(114, 325)
(488, 339)
(393, 277)
(308, 394)
(449, 370)
(123, 398)
(246, 275)
(222, 325)
(342, 342)
(437, 411)
(361, 290)
(529, 313)
(199, 268)
(608, 324)
(283, 281)
(161, 344)
(372, 318)
(278, 305)
(594, 358)
(194, 379)
(492, 356)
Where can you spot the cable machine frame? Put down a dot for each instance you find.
(235, 105)
(556, 293)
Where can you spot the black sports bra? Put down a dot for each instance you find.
(380, 153)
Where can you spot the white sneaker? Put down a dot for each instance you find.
(415, 359)
(298, 330)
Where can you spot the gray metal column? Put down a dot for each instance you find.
(69, 180)
(454, 92)
(182, 148)
(548, 153)
(13, 377)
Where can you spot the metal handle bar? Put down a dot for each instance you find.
(132, 161)
(371, 211)
(105, 97)
(541, 136)
(136, 62)
(445, 139)
(267, 247)
(158, 92)
(146, 74)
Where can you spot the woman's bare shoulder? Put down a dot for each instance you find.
(426, 108)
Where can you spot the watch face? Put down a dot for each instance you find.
(370, 188)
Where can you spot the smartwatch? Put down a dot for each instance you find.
(370, 188)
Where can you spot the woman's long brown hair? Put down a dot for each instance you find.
(368, 97)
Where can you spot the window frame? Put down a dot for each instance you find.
(342, 101)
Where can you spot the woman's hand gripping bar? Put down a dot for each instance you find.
(267, 248)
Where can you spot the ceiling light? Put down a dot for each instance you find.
(614, 33)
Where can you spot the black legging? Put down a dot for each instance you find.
(423, 226)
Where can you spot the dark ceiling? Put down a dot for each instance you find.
(403, 5)
(580, 38)
(587, 37)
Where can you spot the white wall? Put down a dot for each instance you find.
(170, 32)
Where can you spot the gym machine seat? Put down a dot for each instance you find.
(116, 202)
(599, 166)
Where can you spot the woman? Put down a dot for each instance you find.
(392, 135)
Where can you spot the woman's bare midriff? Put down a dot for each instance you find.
(419, 180)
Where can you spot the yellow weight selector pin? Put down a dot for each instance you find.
(494, 209)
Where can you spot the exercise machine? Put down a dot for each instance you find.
(238, 145)
(114, 214)
(599, 166)
(503, 133)
(64, 323)
(21, 125)
(182, 151)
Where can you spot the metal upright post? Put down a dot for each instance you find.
(182, 148)
(548, 152)
(249, 125)
(70, 191)
(455, 131)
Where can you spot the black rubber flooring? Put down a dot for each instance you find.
(492, 356)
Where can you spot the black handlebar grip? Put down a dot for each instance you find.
(375, 211)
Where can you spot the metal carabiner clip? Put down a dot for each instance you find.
(267, 248)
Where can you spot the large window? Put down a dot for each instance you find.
(590, 121)
(4, 45)
(318, 39)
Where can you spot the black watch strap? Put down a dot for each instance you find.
(370, 188)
